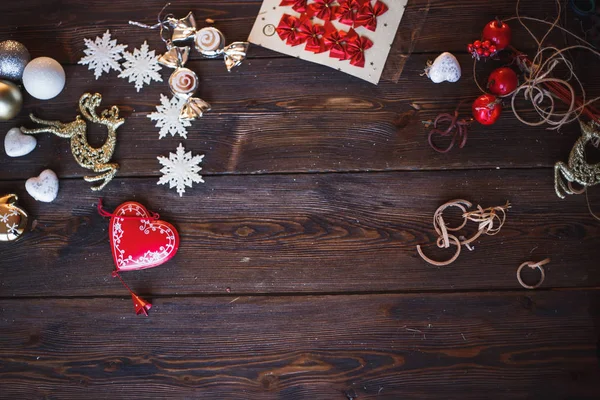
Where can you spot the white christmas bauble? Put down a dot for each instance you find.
(44, 78)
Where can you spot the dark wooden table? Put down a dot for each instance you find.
(297, 276)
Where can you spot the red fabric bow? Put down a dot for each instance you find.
(288, 30)
(323, 9)
(367, 16)
(335, 42)
(297, 5)
(348, 9)
(356, 47)
(314, 35)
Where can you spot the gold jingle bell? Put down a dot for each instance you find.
(13, 219)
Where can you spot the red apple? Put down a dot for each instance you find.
(503, 81)
(487, 109)
(498, 33)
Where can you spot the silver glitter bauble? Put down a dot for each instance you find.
(13, 59)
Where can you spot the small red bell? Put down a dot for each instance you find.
(141, 306)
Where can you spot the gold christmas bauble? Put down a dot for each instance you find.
(11, 100)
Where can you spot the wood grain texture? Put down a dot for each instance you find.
(297, 275)
(452, 346)
(307, 233)
(322, 121)
(58, 28)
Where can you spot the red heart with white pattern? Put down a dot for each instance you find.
(138, 240)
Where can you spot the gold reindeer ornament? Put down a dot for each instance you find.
(96, 159)
(578, 170)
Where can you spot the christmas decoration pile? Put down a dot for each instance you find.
(496, 36)
(43, 77)
(139, 240)
(320, 38)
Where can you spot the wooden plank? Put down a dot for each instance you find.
(468, 346)
(307, 233)
(291, 116)
(75, 20)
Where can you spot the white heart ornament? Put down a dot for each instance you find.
(17, 144)
(445, 68)
(43, 187)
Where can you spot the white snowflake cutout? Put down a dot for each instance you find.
(102, 54)
(167, 117)
(141, 67)
(180, 170)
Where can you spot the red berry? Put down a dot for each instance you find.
(470, 48)
(477, 44)
(492, 49)
(486, 44)
(498, 33)
(487, 109)
(479, 51)
(486, 53)
(503, 81)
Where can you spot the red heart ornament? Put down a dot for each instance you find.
(140, 240)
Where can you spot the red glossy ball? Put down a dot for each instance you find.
(503, 81)
(487, 109)
(498, 33)
(477, 44)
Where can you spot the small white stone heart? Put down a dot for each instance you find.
(44, 187)
(445, 68)
(17, 144)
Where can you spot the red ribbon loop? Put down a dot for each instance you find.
(140, 305)
(323, 9)
(346, 12)
(297, 5)
(288, 30)
(367, 16)
(314, 34)
(105, 213)
(335, 42)
(356, 47)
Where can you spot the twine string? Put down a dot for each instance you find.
(457, 128)
(162, 23)
(539, 89)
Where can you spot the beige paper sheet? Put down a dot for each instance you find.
(263, 34)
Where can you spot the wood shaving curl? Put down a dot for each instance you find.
(490, 222)
(533, 265)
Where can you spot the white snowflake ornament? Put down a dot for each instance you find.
(167, 117)
(180, 170)
(102, 54)
(141, 66)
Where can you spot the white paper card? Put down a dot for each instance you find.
(264, 34)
